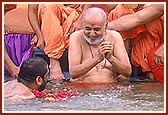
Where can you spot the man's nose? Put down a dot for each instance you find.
(92, 33)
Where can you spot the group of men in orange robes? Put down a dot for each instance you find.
(53, 23)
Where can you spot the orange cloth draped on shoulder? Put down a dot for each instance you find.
(56, 20)
(145, 41)
(119, 11)
(158, 72)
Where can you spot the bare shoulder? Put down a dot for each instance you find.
(10, 83)
(113, 34)
(76, 35)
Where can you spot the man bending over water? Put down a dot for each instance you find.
(33, 75)
(97, 54)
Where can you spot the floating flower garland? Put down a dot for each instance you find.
(55, 96)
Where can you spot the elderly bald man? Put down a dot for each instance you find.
(95, 53)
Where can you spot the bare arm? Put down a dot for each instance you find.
(120, 59)
(143, 16)
(34, 22)
(33, 18)
(76, 66)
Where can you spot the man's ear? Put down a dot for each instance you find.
(106, 25)
(39, 80)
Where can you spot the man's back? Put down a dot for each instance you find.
(15, 91)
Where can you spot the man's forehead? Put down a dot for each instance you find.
(94, 23)
(94, 19)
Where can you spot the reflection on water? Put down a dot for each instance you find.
(100, 97)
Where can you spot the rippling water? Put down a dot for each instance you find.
(100, 97)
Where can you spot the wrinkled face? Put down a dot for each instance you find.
(42, 86)
(94, 30)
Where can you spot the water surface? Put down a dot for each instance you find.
(135, 96)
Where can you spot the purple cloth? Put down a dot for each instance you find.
(18, 47)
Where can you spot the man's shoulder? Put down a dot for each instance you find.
(76, 34)
(113, 35)
(108, 30)
(13, 81)
(112, 32)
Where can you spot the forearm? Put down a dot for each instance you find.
(33, 19)
(77, 71)
(120, 66)
(143, 16)
(123, 23)
(150, 13)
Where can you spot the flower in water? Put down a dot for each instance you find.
(55, 96)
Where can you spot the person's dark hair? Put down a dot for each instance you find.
(31, 68)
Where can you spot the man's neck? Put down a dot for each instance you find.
(26, 83)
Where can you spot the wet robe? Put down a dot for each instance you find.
(158, 72)
(146, 44)
(145, 37)
(145, 41)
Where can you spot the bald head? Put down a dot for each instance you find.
(94, 14)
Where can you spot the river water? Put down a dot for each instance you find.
(116, 97)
